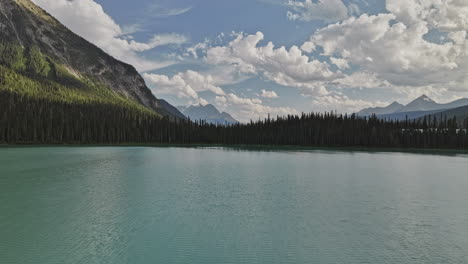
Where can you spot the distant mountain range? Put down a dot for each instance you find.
(208, 113)
(420, 107)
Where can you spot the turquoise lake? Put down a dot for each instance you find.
(144, 205)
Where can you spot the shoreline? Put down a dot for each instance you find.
(247, 147)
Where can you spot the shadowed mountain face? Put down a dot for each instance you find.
(208, 113)
(24, 24)
(419, 107)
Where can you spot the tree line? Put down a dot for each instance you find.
(31, 120)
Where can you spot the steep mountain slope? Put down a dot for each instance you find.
(393, 107)
(66, 60)
(209, 113)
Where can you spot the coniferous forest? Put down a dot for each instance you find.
(40, 121)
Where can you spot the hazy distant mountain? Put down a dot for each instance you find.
(456, 103)
(209, 113)
(410, 115)
(461, 113)
(393, 107)
(417, 108)
(422, 103)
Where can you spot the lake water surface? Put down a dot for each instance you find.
(219, 205)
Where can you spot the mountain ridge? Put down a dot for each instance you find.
(393, 107)
(417, 107)
(26, 25)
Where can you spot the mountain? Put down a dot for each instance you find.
(425, 103)
(59, 65)
(209, 113)
(417, 108)
(456, 104)
(393, 107)
(461, 114)
(409, 115)
(422, 103)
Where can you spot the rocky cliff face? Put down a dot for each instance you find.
(22, 22)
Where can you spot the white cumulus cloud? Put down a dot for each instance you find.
(288, 67)
(183, 85)
(268, 94)
(187, 85)
(395, 51)
(328, 10)
(246, 109)
(444, 15)
(342, 103)
(89, 20)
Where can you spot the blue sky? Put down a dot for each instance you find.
(258, 57)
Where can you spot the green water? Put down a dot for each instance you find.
(214, 205)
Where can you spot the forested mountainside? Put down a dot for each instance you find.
(44, 57)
